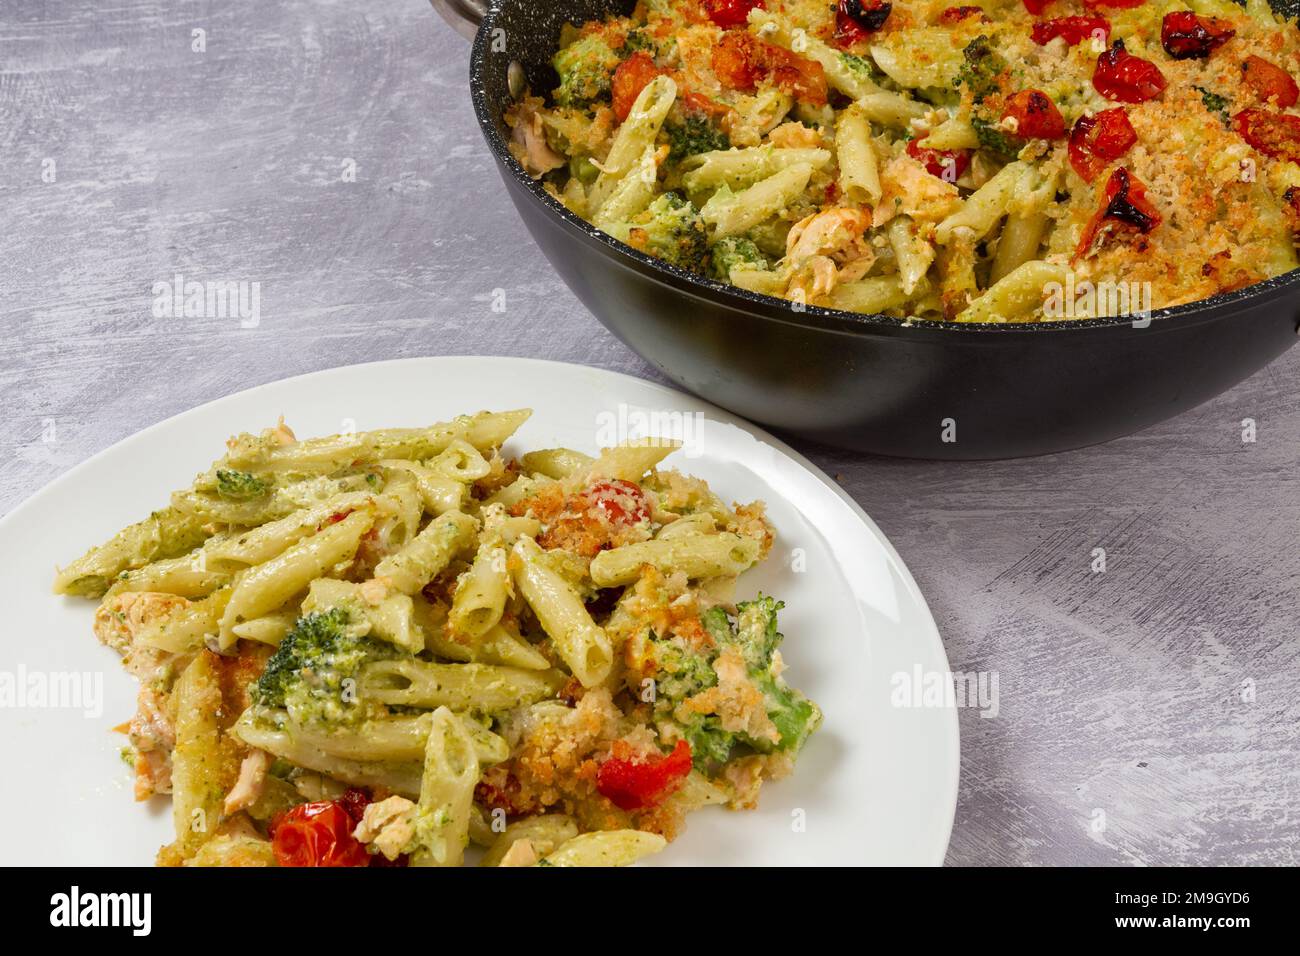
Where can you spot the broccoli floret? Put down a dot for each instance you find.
(794, 715)
(711, 745)
(695, 134)
(682, 672)
(670, 229)
(581, 169)
(755, 635)
(313, 672)
(638, 40)
(240, 485)
(982, 68)
(679, 672)
(736, 252)
(754, 632)
(1214, 103)
(585, 66)
(860, 66)
(994, 140)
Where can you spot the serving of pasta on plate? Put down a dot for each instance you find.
(976, 162)
(383, 648)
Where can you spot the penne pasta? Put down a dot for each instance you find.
(578, 640)
(697, 556)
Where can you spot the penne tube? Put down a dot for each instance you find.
(481, 688)
(481, 594)
(634, 137)
(428, 553)
(186, 629)
(1016, 295)
(267, 586)
(579, 641)
(451, 772)
(187, 576)
(390, 739)
(733, 213)
(388, 617)
(632, 459)
(606, 848)
(164, 534)
(543, 833)
(556, 462)
(698, 556)
(982, 210)
(267, 629)
(859, 169)
(401, 778)
(913, 253)
(485, 431)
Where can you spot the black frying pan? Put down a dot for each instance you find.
(866, 382)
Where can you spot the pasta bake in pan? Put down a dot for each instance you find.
(977, 162)
(378, 648)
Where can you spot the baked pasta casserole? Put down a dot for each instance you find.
(996, 161)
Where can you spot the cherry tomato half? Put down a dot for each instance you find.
(1126, 78)
(1097, 141)
(1269, 82)
(1273, 134)
(1187, 36)
(1126, 206)
(632, 76)
(317, 834)
(1035, 114)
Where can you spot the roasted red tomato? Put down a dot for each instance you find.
(1126, 207)
(947, 164)
(354, 801)
(641, 783)
(1270, 83)
(740, 60)
(1126, 78)
(736, 60)
(856, 20)
(1273, 134)
(1292, 209)
(802, 78)
(1186, 36)
(1035, 114)
(621, 501)
(631, 77)
(1113, 4)
(1036, 6)
(730, 13)
(317, 834)
(958, 14)
(1072, 30)
(1097, 141)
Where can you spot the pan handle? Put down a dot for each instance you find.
(464, 16)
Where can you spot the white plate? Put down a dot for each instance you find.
(877, 784)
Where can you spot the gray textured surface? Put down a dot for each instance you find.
(1119, 692)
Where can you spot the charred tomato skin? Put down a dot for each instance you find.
(1188, 36)
(1125, 78)
(1035, 114)
(1097, 141)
